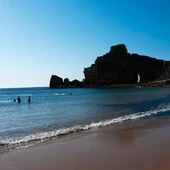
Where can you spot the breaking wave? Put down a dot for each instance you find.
(59, 94)
(41, 137)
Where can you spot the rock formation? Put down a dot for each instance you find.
(57, 82)
(119, 66)
(76, 83)
(165, 75)
(66, 82)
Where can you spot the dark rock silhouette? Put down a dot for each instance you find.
(66, 82)
(118, 66)
(56, 81)
(165, 75)
(76, 83)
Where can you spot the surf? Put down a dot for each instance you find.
(33, 139)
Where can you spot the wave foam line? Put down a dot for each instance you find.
(43, 136)
(58, 94)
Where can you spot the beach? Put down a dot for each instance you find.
(85, 85)
(132, 145)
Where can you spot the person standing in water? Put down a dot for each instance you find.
(29, 99)
(19, 99)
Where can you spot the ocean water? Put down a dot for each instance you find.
(56, 112)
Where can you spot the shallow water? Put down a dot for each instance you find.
(54, 112)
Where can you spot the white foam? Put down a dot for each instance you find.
(58, 94)
(5, 101)
(46, 135)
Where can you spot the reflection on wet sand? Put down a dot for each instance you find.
(128, 133)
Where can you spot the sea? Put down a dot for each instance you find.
(67, 111)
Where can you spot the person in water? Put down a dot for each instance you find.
(29, 99)
(19, 99)
(14, 100)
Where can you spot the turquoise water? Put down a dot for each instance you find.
(54, 112)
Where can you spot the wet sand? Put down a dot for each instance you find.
(134, 145)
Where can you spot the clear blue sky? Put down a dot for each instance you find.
(39, 38)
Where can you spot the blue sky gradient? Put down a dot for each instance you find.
(39, 38)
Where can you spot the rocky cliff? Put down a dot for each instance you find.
(118, 66)
(165, 75)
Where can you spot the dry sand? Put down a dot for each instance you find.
(135, 145)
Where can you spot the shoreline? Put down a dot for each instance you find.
(132, 145)
(75, 130)
(161, 83)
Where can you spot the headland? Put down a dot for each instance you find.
(118, 68)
